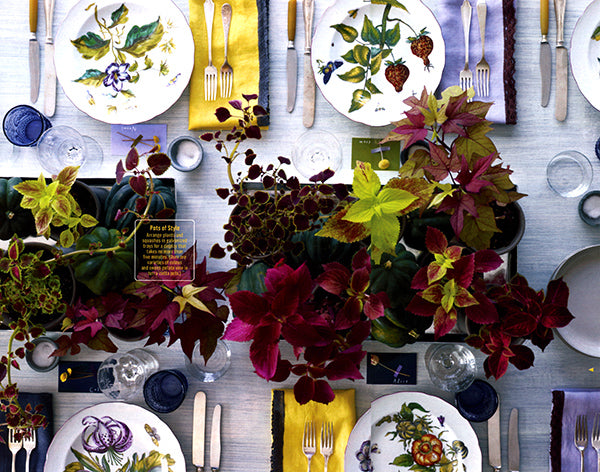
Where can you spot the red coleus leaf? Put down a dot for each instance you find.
(159, 163)
(375, 305)
(435, 241)
(283, 370)
(239, 331)
(264, 358)
(285, 303)
(557, 293)
(555, 316)
(522, 357)
(349, 314)
(495, 365)
(304, 389)
(138, 184)
(343, 368)
(420, 280)
(299, 333)
(120, 172)
(359, 282)
(519, 324)
(361, 260)
(486, 260)
(443, 322)
(419, 306)
(132, 160)
(248, 306)
(484, 312)
(462, 271)
(470, 179)
(334, 279)
(323, 393)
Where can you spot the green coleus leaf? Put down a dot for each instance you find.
(366, 182)
(93, 77)
(393, 200)
(68, 175)
(477, 232)
(349, 34)
(31, 188)
(362, 210)
(61, 206)
(385, 230)
(142, 39)
(88, 221)
(119, 16)
(343, 230)
(359, 98)
(355, 75)
(91, 46)
(42, 220)
(66, 238)
(369, 33)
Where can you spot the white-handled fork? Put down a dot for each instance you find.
(210, 71)
(466, 75)
(14, 446)
(29, 444)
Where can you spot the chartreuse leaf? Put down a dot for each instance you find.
(376, 64)
(119, 16)
(392, 200)
(142, 39)
(349, 34)
(68, 175)
(362, 54)
(362, 210)
(366, 182)
(359, 98)
(91, 46)
(93, 77)
(477, 232)
(476, 142)
(385, 230)
(66, 238)
(369, 33)
(61, 206)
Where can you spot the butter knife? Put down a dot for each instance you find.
(198, 425)
(562, 62)
(545, 53)
(34, 52)
(308, 111)
(49, 71)
(292, 59)
(215, 440)
(514, 454)
(494, 451)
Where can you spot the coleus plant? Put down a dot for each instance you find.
(325, 319)
(461, 154)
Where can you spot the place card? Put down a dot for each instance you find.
(370, 150)
(392, 368)
(78, 376)
(122, 136)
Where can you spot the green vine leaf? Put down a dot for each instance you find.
(362, 54)
(133, 67)
(349, 34)
(394, 3)
(359, 98)
(142, 39)
(403, 460)
(369, 33)
(128, 93)
(370, 86)
(376, 63)
(148, 63)
(355, 75)
(119, 16)
(349, 57)
(596, 34)
(91, 46)
(392, 36)
(92, 77)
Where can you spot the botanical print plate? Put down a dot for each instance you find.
(114, 437)
(585, 53)
(412, 431)
(124, 62)
(369, 57)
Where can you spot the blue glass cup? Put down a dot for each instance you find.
(478, 402)
(23, 125)
(164, 391)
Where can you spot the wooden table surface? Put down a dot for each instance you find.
(554, 229)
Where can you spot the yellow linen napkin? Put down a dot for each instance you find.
(243, 56)
(341, 411)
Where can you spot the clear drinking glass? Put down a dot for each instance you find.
(216, 366)
(315, 151)
(451, 367)
(569, 173)
(61, 146)
(122, 375)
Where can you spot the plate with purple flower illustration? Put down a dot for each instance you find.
(408, 431)
(124, 62)
(114, 437)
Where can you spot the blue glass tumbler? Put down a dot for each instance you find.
(164, 391)
(23, 125)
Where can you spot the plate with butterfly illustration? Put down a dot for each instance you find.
(114, 437)
(369, 57)
(124, 62)
(412, 431)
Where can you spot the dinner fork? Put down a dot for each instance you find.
(326, 442)
(226, 69)
(29, 444)
(596, 437)
(309, 441)
(581, 437)
(14, 446)
(466, 76)
(482, 68)
(210, 71)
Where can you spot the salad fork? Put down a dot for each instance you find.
(466, 75)
(14, 446)
(309, 441)
(482, 68)
(210, 71)
(29, 444)
(226, 69)
(326, 442)
(596, 437)
(581, 436)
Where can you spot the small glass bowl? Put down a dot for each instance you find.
(39, 359)
(185, 153)
(216, 366)
(589, 208)
(569, 173)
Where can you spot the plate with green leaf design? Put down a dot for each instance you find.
(369, 57)
(114, 437)
(124, 62)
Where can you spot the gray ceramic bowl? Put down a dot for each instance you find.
(185, 153)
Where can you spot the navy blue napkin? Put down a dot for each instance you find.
(44, 435)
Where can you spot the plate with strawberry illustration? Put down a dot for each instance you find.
(369, 57)
(412, 431)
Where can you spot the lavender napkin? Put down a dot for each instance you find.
(499, 50)
(566, 405)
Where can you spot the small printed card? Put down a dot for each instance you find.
(369, 150)
(77, 376)
(122, 136)
(392, 368)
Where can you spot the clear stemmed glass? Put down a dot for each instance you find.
(315, 151)
(451, 367)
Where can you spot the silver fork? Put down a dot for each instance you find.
(29, 444)
(326, 442)
(466, 76)
(309, 441)
(14, 446)
(226, 69)
(596, 437)
(210, 71)
(482, 68)
(581, 437)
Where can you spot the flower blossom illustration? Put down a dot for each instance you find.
(116, 74)
(106, 436)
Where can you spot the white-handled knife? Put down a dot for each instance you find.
(34, 52)
(562, 62)
(514, 454)
(308, 110)
(494, 450)
(292, 59)
(199, 421)
(215, 440)
(49, 70)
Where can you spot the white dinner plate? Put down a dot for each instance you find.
(585, 54)
(387, 432)
(148, 442)
(124, 61)
(581, 272)
(350, 63)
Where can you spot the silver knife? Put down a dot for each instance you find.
(215, 440)
(545, 53)
(562, 61)
(514, 455)
(49, 71)
(199, 420)
(494, 451)
(308, 111)
(34, 52)
(292, 59)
